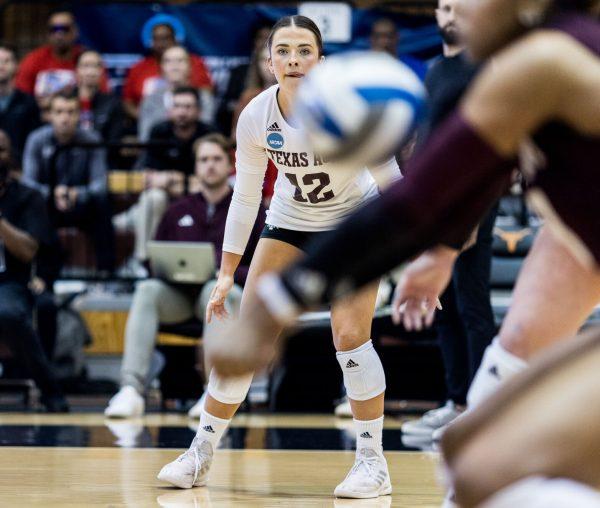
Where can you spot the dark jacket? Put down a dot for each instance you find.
(20, 117)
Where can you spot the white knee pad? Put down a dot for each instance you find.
(363, 373)
(231, 390)
(498, 365)
(536, 492)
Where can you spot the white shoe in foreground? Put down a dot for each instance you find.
(126, 403)
(343, 409)
(196, 410)
(431, 421)
(368, 477)
(191, 468)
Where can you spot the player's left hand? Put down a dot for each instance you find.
(417, 294)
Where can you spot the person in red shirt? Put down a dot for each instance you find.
(144, 77)
(51, 68)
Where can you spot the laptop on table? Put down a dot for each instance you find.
(183, 262)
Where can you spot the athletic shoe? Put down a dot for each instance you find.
(423, 443)
(196, 410)
(431, 420)
(368, 477)
(191, 468)
(436, 435)
(343, 409)
(125, 404)
(127, 433)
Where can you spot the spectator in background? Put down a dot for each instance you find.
(50, 68)
(196, 218)
(386, 37)
(99, 111)
(238, 80)
(175, 68)
(144, 78)
(19, 114)
(182, 129)
(72, 179)
(47, 266)
(24, 227)
(167, 164)
(465, 325)
(259, 79)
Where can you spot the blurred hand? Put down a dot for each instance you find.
(421, 283)
(61, 198)
(37, 286)
(73, 194)
(176, 183)
(194, 184)
(157, 179)
(244, 345)
(216, 302)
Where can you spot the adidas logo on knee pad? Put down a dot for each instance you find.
(366, 435)
(351, 364)
(208, 428)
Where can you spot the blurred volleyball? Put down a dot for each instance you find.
(360, 106)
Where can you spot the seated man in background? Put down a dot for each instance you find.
(24, 227)
(175, 69)
(167, 164)
(199, 217)
(19, 114)
(72, 179)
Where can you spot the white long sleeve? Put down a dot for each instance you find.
(251, 166)
(385, 173)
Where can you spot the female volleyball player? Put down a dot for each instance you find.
(310, 197)
(541, 89)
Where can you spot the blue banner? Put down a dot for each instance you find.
(223, 32)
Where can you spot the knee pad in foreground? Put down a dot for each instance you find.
(498, 366)
(231, 390)
(363, 373)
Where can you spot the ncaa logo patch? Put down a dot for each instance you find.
(275, 140)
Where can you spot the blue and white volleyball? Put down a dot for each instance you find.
(359, 107)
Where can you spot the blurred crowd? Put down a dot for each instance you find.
(64, 134)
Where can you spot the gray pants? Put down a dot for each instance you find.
(143, 218)
(154, 302)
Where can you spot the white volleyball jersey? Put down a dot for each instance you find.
(310, 194)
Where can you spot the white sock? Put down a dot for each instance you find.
(211, 428)
(369, 434)
(497, 366)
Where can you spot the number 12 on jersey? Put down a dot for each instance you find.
(321, 179)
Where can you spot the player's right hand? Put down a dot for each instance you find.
(421, 283)
(216, 302)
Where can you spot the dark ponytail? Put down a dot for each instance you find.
(299, 22)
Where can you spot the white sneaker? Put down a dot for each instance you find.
(125, 404)
(196, 410)
(431, 420)
(368, 477)
(436, 435)
(191, 468)
(343, 409)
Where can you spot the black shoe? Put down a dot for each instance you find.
(55, 404)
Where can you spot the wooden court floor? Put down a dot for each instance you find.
(112, 476)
